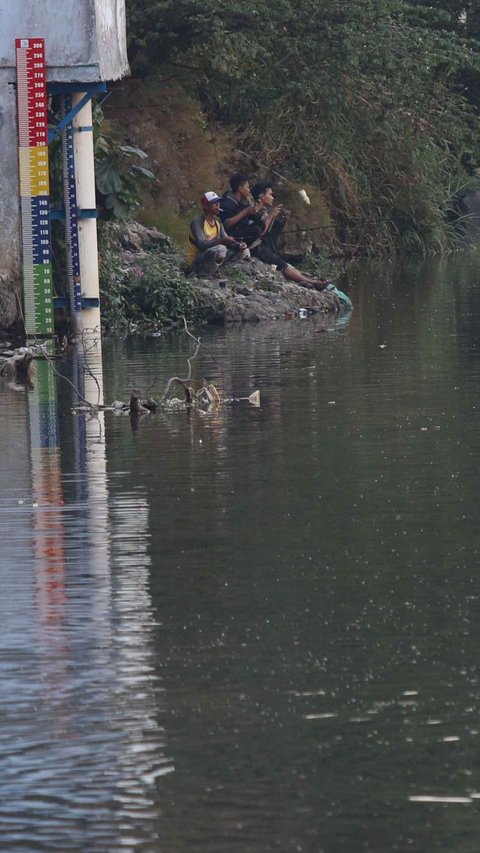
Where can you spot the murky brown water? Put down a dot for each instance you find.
(255, 629)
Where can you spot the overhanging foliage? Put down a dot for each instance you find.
(375, 100)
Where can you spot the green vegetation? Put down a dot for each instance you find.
(142, 293)
(118, 175)
(375, 102)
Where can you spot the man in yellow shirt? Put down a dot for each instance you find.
(209, 245)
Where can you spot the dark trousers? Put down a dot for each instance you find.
(247, 231)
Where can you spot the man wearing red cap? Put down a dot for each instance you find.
(209, 245)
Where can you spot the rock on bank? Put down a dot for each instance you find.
(259, 297)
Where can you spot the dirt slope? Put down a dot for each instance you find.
(189, 156)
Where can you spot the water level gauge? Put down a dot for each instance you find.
(34, 185)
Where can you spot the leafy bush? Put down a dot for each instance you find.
(145, 292)
(118, 180)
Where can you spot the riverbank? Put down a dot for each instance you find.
(143, 286)
(262, 295)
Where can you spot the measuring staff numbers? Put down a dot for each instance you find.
(34, 185)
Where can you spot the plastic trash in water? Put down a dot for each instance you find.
(344, 299)
(253, 399)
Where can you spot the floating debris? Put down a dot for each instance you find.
(253, 399)
(318, 716)
(430, 798)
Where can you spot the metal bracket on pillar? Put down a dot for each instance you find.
(58, 213)
(90, 90)
(71, 213)
(86, 302)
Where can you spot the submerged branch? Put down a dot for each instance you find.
(183, 382)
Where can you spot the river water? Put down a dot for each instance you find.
(255, 629)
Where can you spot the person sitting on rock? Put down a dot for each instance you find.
(209, 245)
(237, 211)
(272, 219)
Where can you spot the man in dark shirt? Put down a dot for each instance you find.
(237, 212)
(273, 217)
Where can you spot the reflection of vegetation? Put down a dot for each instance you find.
(342, 570)
(375, 103)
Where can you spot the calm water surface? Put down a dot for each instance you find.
(256, 629)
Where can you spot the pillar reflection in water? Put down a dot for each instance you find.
(83, 713)
(47, 521)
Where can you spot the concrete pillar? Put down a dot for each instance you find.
(10, 231)
(87, 228)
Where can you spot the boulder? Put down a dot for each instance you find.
(136, 237)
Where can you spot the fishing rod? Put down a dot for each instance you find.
(310, 228)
